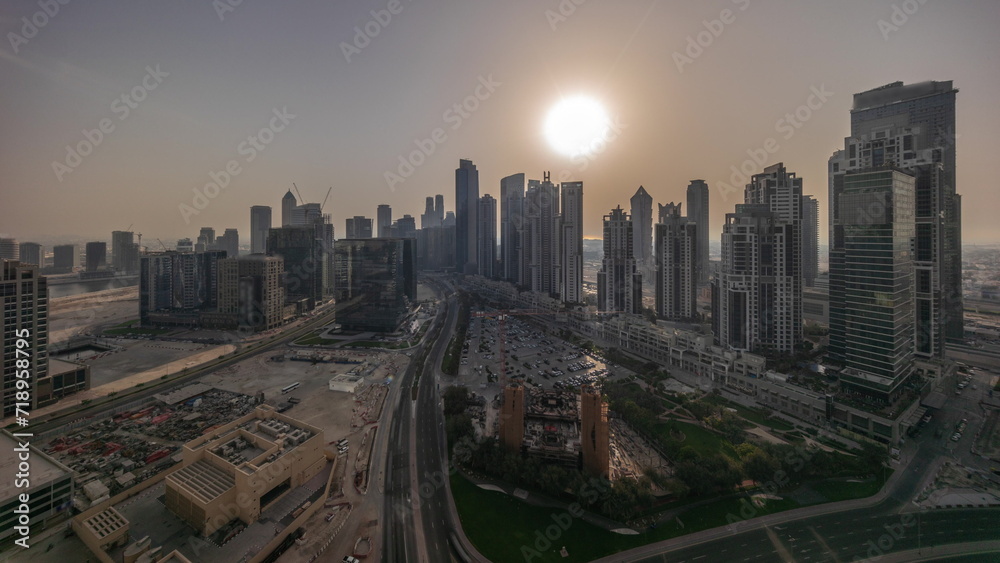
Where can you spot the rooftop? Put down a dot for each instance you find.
(44, 469)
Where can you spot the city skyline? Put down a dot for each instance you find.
(66, 79)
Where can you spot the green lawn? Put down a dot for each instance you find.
(752, 415)
(702, 440)
(314, 339)
(501, 526)
(839, 490)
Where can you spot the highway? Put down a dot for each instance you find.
(416, 501)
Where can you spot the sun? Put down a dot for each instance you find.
(577, 125)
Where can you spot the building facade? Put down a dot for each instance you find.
(810, 240)
(260, 224)
(619, 282)
(375, 282)
(466, 215)
(571, 242)
(697, 212)
(487, 251)
(251, 292)
(676, 244)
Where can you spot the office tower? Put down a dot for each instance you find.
(619, 283)
(487, 245)
(65, 257)
(449, 220)
(32, 253)
(594, 436)
(439, 207)
(676, 243)
(429, 219)
(97, 256)
(376, 282)
(288, 205)
(358, 227)
(571, 244)
(697, 204)
(874, 335)
(757, 296)
(303, 256)
(250, 290)
(230, 242)
(124, 252)
(404, 227)
(466, 213)
(512, 417)
(383, 218)
(260, 223)
(642, 230)
(307, 214)
(810, 240)
(24, 294)
(9, 249)
(541, 211)
(912, 127)
(208, 235)
(174, 286)
(185, 245)
(511, 227)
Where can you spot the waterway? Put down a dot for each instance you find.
(89, 286)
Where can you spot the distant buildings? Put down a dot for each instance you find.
(65, 258)
(9, 249)
(541, 215)
(375, 282)
(32, 253)
(175, 288)
(619, 282)
(304, 256)
(358, 227)
(676, 243)
(97, 253)
(404, 227)
(571, 243)
(124, 252)
(288, 205)
(260, 224)
(757, 296)
(697, 212)
(487, 247)
(229, 242)
(383, 217)
(466, 217)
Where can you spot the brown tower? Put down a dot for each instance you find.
(512, 417)
(594, 432)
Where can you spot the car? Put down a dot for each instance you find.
(350, 559)
(956, 437)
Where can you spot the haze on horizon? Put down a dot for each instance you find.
(343, 108)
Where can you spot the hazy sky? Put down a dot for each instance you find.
(218, 79)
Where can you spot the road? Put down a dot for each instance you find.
(416, 500)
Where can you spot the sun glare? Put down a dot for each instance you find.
(576, 125)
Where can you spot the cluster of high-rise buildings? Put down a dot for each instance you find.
(66, 258)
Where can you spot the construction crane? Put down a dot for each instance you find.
(297, 192)
(325, 198)
(162, 245)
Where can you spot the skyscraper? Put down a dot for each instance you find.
(541, 212)
(810, 240)
(376, 281)
(251, 292)
(571, 243)
(124, 252)
(874, 333)
(288, 205)
(358, 227)
(511, 227)
(230, 242)
(428, 218)
(487, 247)
(260, 223)
(65, 257)
(757, 297)
(303, 256)
(619, 283)
(32, 253)
(697, 203)
(439, 207)
(9, 249)
(97, 256)
(383, 217)
(24, 294)
(642, 227)
(466, 206)
(676, 243)
(207, 235)
(912, 127)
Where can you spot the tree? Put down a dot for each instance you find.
(455, 400)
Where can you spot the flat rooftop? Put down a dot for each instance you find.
(203, 480)
(44, 469)
(57, 367)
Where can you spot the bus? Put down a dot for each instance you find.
(289, 388)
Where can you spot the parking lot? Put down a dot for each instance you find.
(536, 357)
